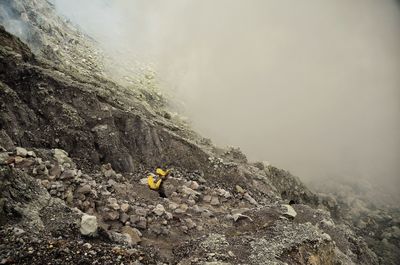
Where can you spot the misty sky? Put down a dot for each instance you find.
(310, 86)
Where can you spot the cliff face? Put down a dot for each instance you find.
(76, 193)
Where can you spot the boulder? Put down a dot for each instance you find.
(159, 210)
(62, 157)
(250, 199)
(133, 233)
(214, 201)
(19, 151)
(288, 211)
(111, 215)
(89, 225)
(123, 218)
(113, 203)
(124, 239)
(239, 189)
(85, 189)
(124, 207)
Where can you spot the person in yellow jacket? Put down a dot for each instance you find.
(156, 181)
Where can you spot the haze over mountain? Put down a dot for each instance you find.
(312, 86)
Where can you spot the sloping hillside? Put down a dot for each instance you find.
(75, 152)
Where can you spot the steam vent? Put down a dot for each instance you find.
(81, 136)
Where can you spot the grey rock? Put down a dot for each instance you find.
(224, 193)
(189, 192)
(142, 223)
(68, 174)
(31, 154)
(87, 245)
(288, 211)
(182, 208)
(134, 218)
(3, 158)
(250, 199)
(19, 151)
(239, 216)
(173, 205)
(84, 189)
(214, 201)
(159, 210)
(113, 203)
(141, 211)
(194, 185)
(89, 225)
(110, 215)
(62, 157)
(239, 189)
(125, 207)
(124, 239)
(190, 224)
(207, 198)
(133, 233)
(124, 217)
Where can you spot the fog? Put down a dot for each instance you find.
(310, 86)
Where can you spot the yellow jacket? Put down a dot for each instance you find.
(154, 182)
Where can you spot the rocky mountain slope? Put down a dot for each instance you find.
(76, 148)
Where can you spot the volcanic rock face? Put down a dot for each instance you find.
(51, 36)
(74, 150)
(94, 122)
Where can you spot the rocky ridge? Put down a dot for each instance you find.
(48, 200)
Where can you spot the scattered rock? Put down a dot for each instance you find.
(110, 215)
(68, 174)
(108, 171)
(31, 154)
(141, 211)
(214, 201)
(142, 223)
(19, 151)
(207, 198)
(124, 218)
(182, 208)
(125, 207)
(62, 157)
(288, 211)
(239, 189)
(88, 225)
(194, 185)
(250, 199)
(189, 192)
(143, 181)
(84, 189)
(224, 193)
(173, 205)
(113, 203)
(239, 216)
(133, 233)
(18, 160)
(124, 239)
(87, 245)
(4, 158)
(159, 210)
(55, 171)
(190, 224)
